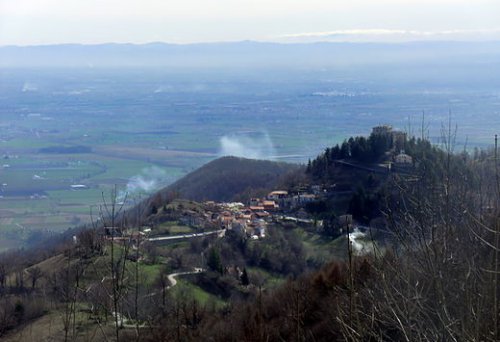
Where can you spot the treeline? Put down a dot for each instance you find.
(372, 191)
(65, 149)
(359, 149)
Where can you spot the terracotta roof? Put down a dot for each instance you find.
(268, 203)
(278, 192)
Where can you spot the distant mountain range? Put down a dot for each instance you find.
(249, 54)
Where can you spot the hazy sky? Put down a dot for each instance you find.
(27, 22)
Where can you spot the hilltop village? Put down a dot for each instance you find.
(252, 219)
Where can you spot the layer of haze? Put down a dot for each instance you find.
(33, 22)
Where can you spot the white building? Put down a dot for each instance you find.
(403, 158)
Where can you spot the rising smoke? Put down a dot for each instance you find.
(358, 243)
(29, 86)
(247, 147)
(146, 182)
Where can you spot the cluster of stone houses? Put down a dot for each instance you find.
(250, 220)
(245, 220)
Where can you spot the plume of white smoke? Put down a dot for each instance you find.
(163, 89)
(29, 86)
(359, 246)
(247, 147)
(144, 183)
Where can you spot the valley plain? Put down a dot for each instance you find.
(68, 135)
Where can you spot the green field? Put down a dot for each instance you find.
(186, 289)
(36, 192)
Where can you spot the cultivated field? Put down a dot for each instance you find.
(72, 135)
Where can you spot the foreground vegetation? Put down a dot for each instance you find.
(433, 278)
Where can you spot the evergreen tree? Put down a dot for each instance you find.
(245, 281)
(214, 261)
(154, 210)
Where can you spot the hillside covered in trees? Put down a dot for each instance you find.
(433, 276)
(231, 178)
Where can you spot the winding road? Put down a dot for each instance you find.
(187, 236)
(171, 277)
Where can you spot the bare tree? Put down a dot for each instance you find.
(109, 213)
(3, 275)
(34, 273)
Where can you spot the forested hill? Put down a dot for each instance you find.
(230, 178)
(431, 274)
